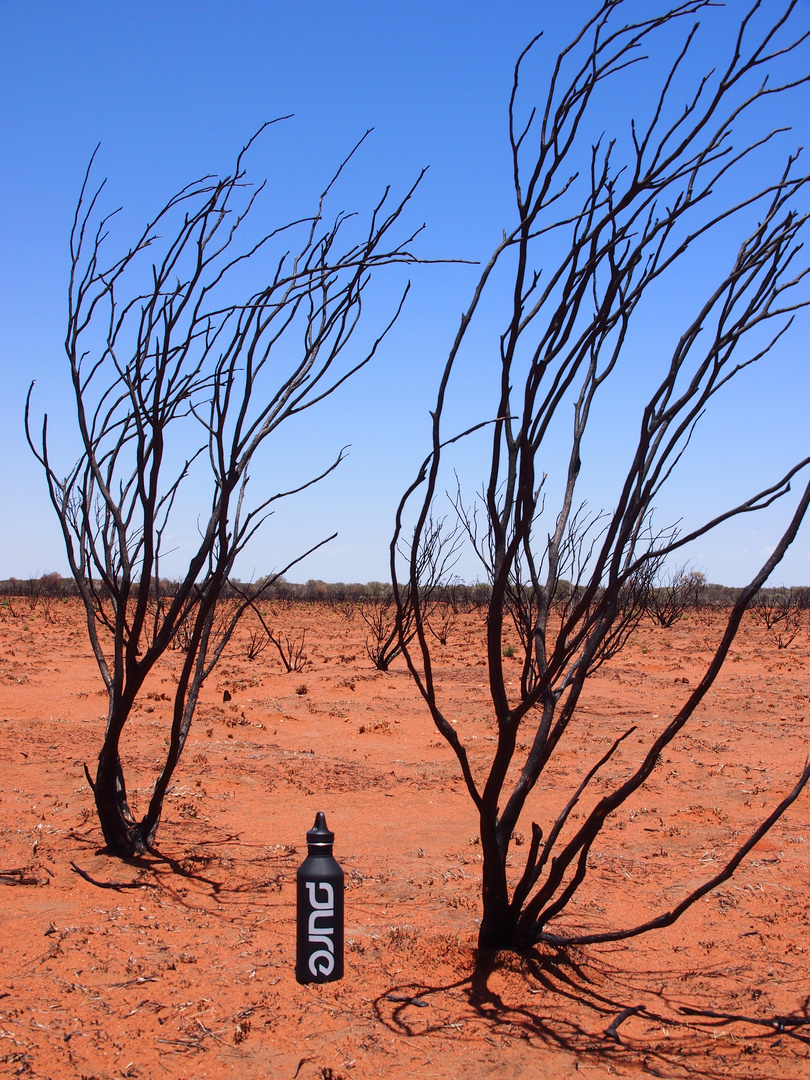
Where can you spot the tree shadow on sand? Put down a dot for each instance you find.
(566, 1001)
(202, 874)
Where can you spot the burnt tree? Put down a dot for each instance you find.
(600, 224)
(180, 374)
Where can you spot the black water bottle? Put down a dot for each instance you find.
(319, 951)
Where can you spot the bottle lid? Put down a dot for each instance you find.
(319, 833)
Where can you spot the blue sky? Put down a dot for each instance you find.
(171, 90)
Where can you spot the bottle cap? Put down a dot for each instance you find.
(319, 833)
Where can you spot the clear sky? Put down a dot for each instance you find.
(171, 90)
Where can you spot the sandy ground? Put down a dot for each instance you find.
(181, 965)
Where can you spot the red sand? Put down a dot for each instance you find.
(184, 968)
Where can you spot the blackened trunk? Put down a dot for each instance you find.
(122, 834)
(499, 929)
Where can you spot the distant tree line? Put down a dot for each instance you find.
(53, 586)
(697, 593)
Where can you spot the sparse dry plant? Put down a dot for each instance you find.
(443, 621)
(392, 617)
(672, 597)
(781, 612)
(383, 642)
(290, 647)
(256, 643)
